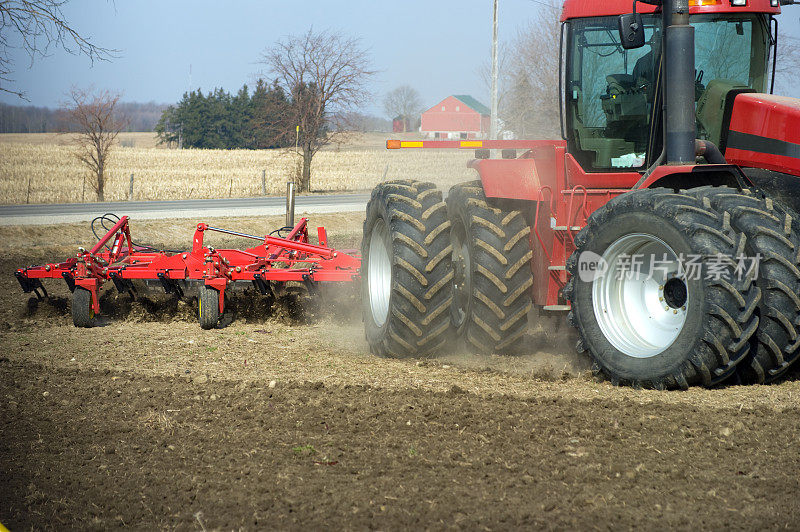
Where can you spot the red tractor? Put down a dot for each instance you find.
(663, 222)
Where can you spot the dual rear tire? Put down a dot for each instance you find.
(723, 305)
(435, 272)
(492, 271)
(691, 314)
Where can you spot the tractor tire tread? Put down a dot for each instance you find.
(418, 323)
(208, 307)
(501, 274)
(770, 234)
(82, 314)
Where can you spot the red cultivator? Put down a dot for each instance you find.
(117, 259)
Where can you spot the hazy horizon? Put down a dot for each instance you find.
(168, 48)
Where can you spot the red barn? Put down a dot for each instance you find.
(456, 117)
(401, 124)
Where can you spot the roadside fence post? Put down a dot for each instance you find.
(28, 195)
(264, 182)
(130, 191)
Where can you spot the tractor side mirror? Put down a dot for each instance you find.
(631, 31)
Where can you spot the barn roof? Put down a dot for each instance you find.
(472, 103)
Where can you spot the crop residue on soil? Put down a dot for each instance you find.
(282, 419)
(107, 449)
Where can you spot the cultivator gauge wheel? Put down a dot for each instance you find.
(773, 241)
(492, 272)
(208, 307)
(647, 316)
(82, 310)
(406, 270)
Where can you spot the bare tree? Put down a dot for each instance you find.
(41, 25)
(787, 71)
(403, 102)
(91, 115)
(529, 104)
(327, 75)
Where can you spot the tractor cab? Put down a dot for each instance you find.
(612, 96)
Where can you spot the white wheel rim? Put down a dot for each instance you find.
(640, 313)
(379, 274)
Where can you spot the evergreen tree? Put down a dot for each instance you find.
(219, 120)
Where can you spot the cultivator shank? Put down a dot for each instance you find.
(116, 258)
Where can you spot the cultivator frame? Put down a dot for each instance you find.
(116, 258)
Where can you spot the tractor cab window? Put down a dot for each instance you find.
(731, 47)
(731, 53)
(610, 93)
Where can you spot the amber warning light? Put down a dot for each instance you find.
(397, 144)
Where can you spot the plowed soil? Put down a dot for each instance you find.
(282, 419)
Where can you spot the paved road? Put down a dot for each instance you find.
(49, 213)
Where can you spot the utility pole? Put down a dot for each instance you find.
(493, 118)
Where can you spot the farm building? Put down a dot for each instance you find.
(456, 117)
(404, 124)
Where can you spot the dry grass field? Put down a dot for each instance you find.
(40, 168)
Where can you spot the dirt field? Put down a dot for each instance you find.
(283, 420)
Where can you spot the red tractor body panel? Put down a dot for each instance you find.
(521, 178)
(564, 197)
(593, 8)
(765, 133)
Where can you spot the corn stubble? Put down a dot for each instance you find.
(47, 172)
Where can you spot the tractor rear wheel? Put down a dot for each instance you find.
(773, 243)
(208, 307)
(406, 270)
(82, 311)
(492, 272)
(651, 308)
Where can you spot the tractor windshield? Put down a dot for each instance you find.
(610, 92)
(733, 48)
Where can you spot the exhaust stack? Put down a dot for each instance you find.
(680, 128)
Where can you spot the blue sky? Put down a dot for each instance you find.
(435, 46)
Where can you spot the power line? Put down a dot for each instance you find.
(545, 4)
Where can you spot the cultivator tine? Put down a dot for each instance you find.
(24, 282)
(31, 285)
(69, 280)
(123, 285)
(260, 284)
(313, 288)
(170, 286)
(41, 287)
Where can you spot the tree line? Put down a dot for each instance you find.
(35, 119)
(221, 120)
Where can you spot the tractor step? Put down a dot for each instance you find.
(556, 307)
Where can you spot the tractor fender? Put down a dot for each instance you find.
(695, 175)
(508, 178)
